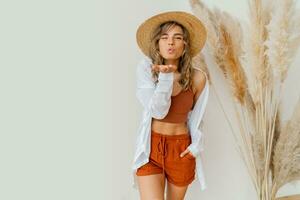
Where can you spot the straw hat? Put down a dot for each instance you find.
(194, 26)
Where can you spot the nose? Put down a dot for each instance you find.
(170, 40)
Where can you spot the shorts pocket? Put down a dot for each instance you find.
(179, 147)
(188, 155)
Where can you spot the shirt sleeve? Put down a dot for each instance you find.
(194, 121)
(155, 97)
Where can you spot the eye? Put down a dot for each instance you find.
(163, 38)
(178, 38)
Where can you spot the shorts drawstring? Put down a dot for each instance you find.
(164, 159)
(162, 149)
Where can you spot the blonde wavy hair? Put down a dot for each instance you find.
(185, 61)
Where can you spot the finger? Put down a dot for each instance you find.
(170, 68)
(173, 68)
(155, 68)
(164, 68)
(183, 153)
(159, 68)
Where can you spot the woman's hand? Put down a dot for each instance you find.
(187, 153)
(164, 68)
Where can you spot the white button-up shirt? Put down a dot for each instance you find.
(156, 100)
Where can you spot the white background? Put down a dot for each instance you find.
(68, 109)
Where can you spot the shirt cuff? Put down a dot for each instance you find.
(166, 76)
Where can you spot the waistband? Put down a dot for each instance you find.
(183, 136)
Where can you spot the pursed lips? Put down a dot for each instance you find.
(171, 50)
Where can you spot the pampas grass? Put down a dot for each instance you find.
(284, 37)
(286, 160)
(255, 74)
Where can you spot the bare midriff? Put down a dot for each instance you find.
(169, 128)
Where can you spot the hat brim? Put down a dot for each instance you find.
(193, 25)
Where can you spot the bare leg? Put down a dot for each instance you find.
(175, 192)
(151, 187)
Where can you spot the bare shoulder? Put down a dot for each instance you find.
(199, 80)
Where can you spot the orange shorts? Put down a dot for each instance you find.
(165, 158)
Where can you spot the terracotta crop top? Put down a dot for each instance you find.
(181, 104)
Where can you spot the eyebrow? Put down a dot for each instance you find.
(174, 34)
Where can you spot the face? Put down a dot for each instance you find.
(171, 44)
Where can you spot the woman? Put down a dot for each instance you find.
(174, 97)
